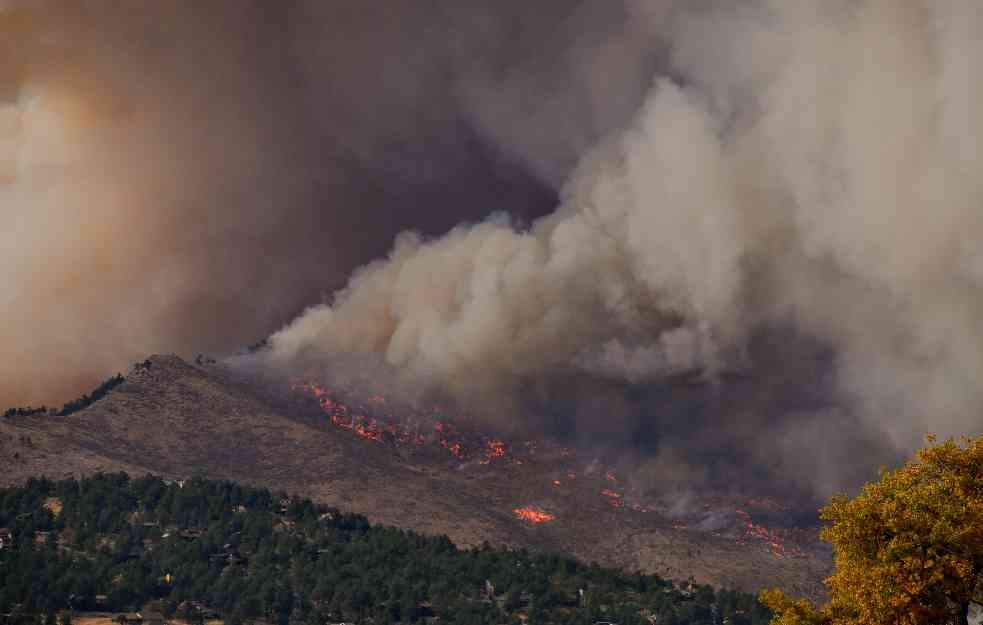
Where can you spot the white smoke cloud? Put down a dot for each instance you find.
(166, 184)
(816, 165)
(487, 305)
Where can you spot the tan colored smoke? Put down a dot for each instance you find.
(134, 192)
(186, 176)
(817, 165)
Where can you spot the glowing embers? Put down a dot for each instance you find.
(494, 449)
(344, 416)
(614, 498)
(376, 421)
(534, 514)
(456, 449)
(774, 539)
(322, 395)
(449, 438)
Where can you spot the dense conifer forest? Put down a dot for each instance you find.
(112, 543)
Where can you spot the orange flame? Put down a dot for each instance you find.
(340, 414)
(615, 499)
(355, 417)
(772, 538)
(494, 449)
(534, 515)
(455, 448)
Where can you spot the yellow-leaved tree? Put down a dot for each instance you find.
(908, 550)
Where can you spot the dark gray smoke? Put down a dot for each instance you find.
(724, 238)
(809, 173)
(187, 176)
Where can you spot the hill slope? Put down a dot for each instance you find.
(196, 546)
(177, 419)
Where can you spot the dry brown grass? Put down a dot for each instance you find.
(178, 420)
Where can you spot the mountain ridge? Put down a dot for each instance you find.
(178, 419)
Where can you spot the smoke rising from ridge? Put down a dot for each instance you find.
(186, 177)
(763, 259)
(816, 167)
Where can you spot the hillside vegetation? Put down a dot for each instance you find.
(178, 420)
(908, 549)
(72, 406)
(112, 542)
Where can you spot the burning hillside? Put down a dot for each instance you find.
(374, 420)
(173, 418)
(534, 514)
(777, 540)
(691, 253)
(747, 522)
(663, 247)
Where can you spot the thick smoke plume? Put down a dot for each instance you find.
(187, 176)
(741, 236)
(811, 170)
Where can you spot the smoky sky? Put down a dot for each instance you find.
(723, 238)
(187, 176)
(771, 268)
